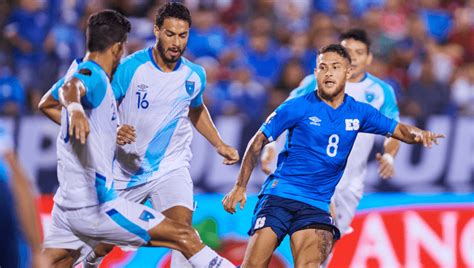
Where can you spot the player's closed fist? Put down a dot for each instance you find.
(230, 154)
(236, 195)
(386, 169)
(126, 134)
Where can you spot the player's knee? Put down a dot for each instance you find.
(308, 263)
(187, 238)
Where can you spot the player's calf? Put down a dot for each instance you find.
(58, 257)
(311, 247)
(184, 238)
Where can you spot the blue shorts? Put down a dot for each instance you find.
(9, 232)
(286, 216)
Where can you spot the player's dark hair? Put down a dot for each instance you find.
(172, 10)
(336, 48)
(106, 28)
(358, 35)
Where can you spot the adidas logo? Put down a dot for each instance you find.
(315, 120)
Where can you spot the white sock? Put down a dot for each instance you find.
(92, 261)
(178, 260)
(207, 257)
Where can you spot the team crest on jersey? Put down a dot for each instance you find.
(369, 96)
(190, 87)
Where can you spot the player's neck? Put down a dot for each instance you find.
(358, 78)
(164, 66)
(104, 61)
(334, 101)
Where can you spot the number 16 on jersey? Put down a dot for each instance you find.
(142, 101)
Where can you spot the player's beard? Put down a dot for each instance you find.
(330, 96)
(163, 56)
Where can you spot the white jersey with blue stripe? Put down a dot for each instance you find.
(157, 104)
(370, 90)
(85, 171)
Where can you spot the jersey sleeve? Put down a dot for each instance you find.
(284, 117)
(55, 88)
(390, 107)
(198, 100)
(95, 86)
(375, 122)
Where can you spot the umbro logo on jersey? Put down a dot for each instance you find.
(352, 124)
(142, 87)
(315, 120)
(190, 87)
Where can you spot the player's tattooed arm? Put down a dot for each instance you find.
(410, 134)
(202, 121)
(50, 107)
(252, 153)
(70, 97)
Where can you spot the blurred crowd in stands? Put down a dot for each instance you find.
(256, 51)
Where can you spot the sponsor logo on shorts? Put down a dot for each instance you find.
(260, 222)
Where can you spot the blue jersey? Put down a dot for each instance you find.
(370, 90)
(320, 139)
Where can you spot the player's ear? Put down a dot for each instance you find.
(348, 72)
(156, 31)
(117, 49)
(370, 58)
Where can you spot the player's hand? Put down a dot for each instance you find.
(78, 126)
(386, 169)
(427, 138)
(236, 195)
(125, 134)
(267, 157)
(230, 154)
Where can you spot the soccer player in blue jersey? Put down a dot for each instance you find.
(87, 209)
(363, 87)
(17, 206)
(322, 127)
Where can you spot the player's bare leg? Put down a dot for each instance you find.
(310, 247)
(94, 258)
(184, 238)
(260, 248)
(185, 216)
(59, 257)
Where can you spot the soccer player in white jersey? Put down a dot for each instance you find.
(363, 87)
(160, 95)
(87, 208)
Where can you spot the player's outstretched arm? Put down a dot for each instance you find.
(410, 134)
(237, 194)
(202, 121)
(70, 97)
(50, 107)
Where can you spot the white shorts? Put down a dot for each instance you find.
(346, 201)
(118, 222)
(175, 188)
